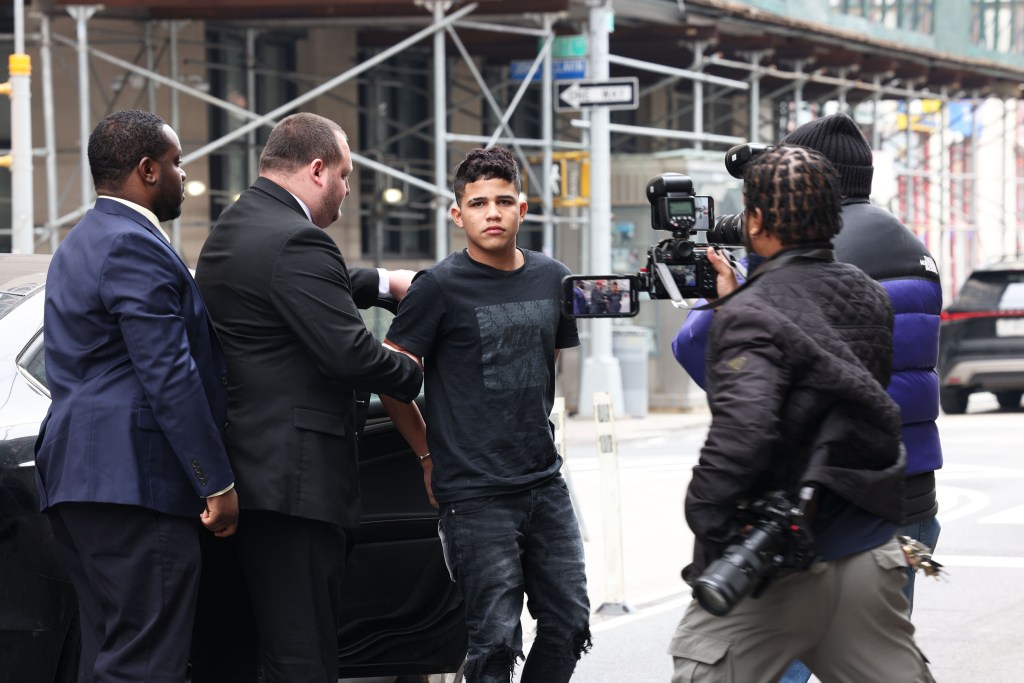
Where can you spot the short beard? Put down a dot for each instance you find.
(168, 212)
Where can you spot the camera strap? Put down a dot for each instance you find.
(676, 298)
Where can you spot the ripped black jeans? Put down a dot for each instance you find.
(497, 549)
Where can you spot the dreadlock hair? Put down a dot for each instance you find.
(119, 142)
(797, 191)
(486, 164)
(298, 139)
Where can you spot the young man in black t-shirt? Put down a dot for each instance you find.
(487, 322)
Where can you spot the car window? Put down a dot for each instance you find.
(1013, 297)
(377, 321)
(33, 360)
(12, 296)
(990, 291)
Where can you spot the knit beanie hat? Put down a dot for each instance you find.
(840, 140)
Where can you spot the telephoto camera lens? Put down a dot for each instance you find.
(731, 577)
(728, 229)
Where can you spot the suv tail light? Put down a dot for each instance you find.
(953, 316)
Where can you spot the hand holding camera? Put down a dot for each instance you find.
(697, 261)
(726, 281)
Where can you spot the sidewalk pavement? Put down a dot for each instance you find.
(580, 430)
(635, 535)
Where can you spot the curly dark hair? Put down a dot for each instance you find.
(298, 139)
(120, 141)
(486, 164)
(797, 191)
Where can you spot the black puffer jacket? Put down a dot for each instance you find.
(798, 359)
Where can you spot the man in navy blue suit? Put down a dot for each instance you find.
(130, 458)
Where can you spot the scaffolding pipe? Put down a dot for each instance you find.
(250, 99)
(698, 94)
(876, 132)
(441, 212)
(798, 94)
(150, 66)
(973, 173)
(601, 371)
(602, 375)
(547, 132)
(874, 86)
(271, 116)
(944, 182)
(523, 142)
(523, 87)
(661, 133)
(81, 14)
(49, 130)
(164, 80)
(175, 118)
(364, 161)
(755, 96)
(20, 82)
(485, 92)
(680, 73)
(1008, 183)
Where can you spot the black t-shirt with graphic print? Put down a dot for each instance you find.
(488, 340)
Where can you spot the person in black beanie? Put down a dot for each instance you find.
(840, 140)
(879, 244)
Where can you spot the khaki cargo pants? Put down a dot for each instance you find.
(846, 619)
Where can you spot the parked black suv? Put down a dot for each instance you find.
(402, 616)
(981, 338)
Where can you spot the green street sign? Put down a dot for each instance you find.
(567, 46)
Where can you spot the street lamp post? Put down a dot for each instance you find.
(600, 372)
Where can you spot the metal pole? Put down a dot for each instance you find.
(876, 111)
(517, 143)
(698, 93)
(440, 132)
(663, 133)
(81, 15)
(611, 509)
(269, 118)
(150, 66)
(547, 132)
(250, 98)
(1009, 179)
(973, 173)
(755, 97)
(601, 371)
(49, 131)
(945, 226)
(175, 118)
(20, 70)
(798, 94)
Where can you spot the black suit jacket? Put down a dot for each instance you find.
(285, 307)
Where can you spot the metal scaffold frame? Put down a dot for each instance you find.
(594, 131)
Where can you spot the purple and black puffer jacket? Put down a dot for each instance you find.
(879, 244)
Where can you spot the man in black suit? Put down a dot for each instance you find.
(285, 306)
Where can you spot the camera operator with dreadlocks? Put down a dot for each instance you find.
(876, 241)
(797, 361)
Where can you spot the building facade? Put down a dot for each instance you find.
(935, 85)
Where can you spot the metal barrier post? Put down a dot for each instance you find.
(611, 507)
(558, 419)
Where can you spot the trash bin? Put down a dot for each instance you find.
(631, 345)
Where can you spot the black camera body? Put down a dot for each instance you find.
(681, 261)
(776, 538)
(677, 267)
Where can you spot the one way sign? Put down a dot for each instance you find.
(615, 93)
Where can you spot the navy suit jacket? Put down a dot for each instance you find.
(136, 374)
